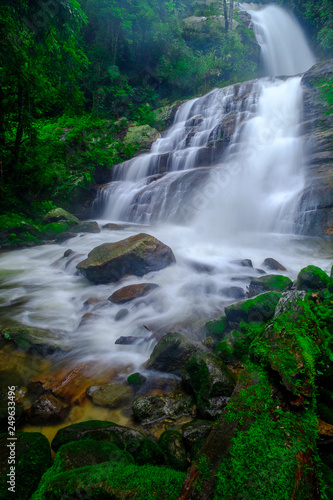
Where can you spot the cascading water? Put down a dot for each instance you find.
(229, 171)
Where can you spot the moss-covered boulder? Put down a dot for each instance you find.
(136, 255)
(33, 339)
(172, 445)
(111, 481)
(110, 395)
(32, 458)
(89, 452)
(47, 410)
(196, 432)
(269, 282)
(312, 278)
(259, 309)
(148, 409)
(141, 136)
(59, 214)
(131, 292)
(216, 328)
(143, 449)
(171, 353)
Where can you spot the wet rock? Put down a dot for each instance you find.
(259, 309)
(312, 278)
(200, 267)
(89, 452)
(114, 227)
(243, 263)
(196, 432)
(274, 265)
(143, 449)
(213, 407)
(121, 314)
(136, 380)
(172, 445)
(59, 214)
(166, 115)
(34, 339)
(32, 459)
(132, 292)
(148, 409)
(68, 253)
(130, 340)
(86, 227)
(216, 328)
(194, 121)
(233, 292)
(66, 235)
(269, 282)
(110, 395)
(47, 410)
(137, 255)
(171, 353)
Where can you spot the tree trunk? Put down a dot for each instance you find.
(226, 21)
(231, 14)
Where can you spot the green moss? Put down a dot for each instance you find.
(260, 309)
(216, 328)
(119, 482)
(312, 278)
(136, 379)
(270, 282)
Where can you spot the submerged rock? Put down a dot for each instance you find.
(137, 255)
(270, 282)
(132, 292)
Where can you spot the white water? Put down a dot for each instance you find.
(243, 208)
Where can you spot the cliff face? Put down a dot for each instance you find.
(316, 205)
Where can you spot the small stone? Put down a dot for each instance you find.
(121, 314)
(68, 253)
(136, 379)
(274, 265)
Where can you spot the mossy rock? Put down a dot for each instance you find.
(172, 445)
(111, 481)
(59, 214)
(143, 449)
(136, 380)
(136, 255)
(111, 395)
(141, 136)
(196, 432)
(216, 328)
(260, 309)
(86, 227)
(171, 352)
(151, 408)
(269, 282)
(89, 452)
(312, 278)
(33, 458)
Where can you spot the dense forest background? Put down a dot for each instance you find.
(71, 71)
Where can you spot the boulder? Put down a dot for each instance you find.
(312, 278)
(259, 309)
(86, 227)
(143, 449)
(216, 328)
(196, 432)
(136, 255)
(141, 136)
(114, 227)
(32, 459)
(47, 410)
(110, 395)
(89, 452)
(166, 115)
(131, 292)
(269, 282)
(147, 409)
(172, 445)
(59, 214)
(171, 353)
(273, 264)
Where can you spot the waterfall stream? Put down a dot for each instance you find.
(221, 185)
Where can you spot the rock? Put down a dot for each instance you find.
(166, 115)
(243, 263)
(89, 452)
(137, 255)
(196, 432)
(208, 376)
(110, 395)
(59, 214)
(141, 136)
(111, 481)
(312, 278)
(143, 449)
(68, 253)
(86, 227)
(213, 407)
(114, 227)
(34, 339)
(259, 309)
(274, 265)
(131, 292)
(171, 443)
(47, 410)
(171, 353)
(216, 328)
(147, 409)
(121, 314)
(233, 292)
(130, 340)
(269, 282)
(32, 458)
(194, 121)
(136, 380)
(200, 267)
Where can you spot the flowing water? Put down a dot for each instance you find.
(214, 198)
